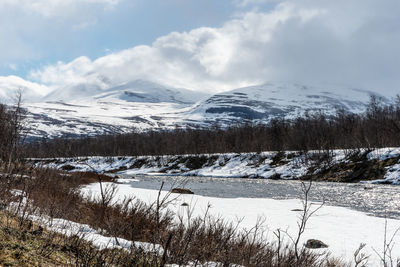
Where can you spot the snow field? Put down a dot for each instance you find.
(341, 228)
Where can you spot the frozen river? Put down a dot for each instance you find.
(377, 200)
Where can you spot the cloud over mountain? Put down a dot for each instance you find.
(346, 42)
(10, 86)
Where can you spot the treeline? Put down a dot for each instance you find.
(11, 129)
(378, 126)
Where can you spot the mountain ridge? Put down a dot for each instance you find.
(141, 105)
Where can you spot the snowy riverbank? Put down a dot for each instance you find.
(283, 165)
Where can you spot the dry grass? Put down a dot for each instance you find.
(91, 177)
(27, 246)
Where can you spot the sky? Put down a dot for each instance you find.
(208, 45)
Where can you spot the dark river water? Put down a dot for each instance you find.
(377, 200)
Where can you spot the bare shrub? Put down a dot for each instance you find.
(385, 256)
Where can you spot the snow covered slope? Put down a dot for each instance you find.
(52, 119)
(149, 92)
(86, 109)
(270, 165)
(134, 91)
(274, 100)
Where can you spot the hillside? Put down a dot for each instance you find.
(141, 105)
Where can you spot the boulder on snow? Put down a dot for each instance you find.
(181, 191)
(314, 243)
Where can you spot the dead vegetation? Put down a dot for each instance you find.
(54, 194)
(355, 168)
(28, 244)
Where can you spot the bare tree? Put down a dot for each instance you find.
(306, 213)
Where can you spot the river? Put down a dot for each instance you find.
(376, 200)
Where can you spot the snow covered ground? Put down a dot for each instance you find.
(84, 231)
(290, 165)
(393, 172)
(341, 228)
(89, 234)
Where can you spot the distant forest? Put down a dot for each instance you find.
(378, 126)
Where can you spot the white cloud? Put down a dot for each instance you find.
(204, 58)
(53, 8)
(35, 29)
(11, 85)
(61, 74)
(245, 3)
(350, 42)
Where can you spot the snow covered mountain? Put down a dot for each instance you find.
(277, 100)
(89, 109)
(141, 105)
(135, 91)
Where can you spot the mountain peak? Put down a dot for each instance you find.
(132, 91)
